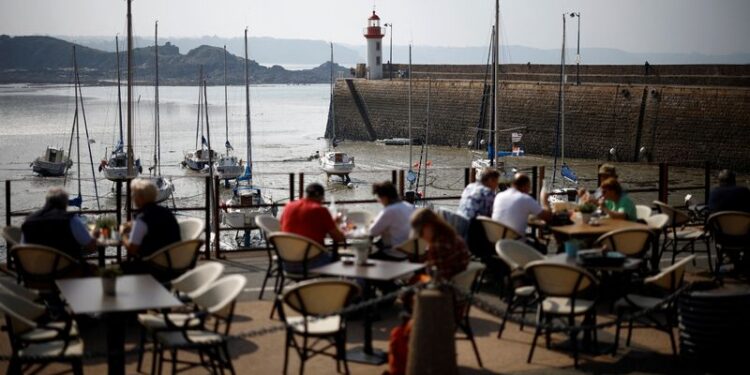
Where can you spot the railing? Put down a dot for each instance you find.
(212, 205)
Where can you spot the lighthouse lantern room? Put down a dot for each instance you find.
(374, 35)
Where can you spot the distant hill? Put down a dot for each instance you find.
(40, 59)
(313, 52)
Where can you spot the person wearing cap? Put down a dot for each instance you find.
(606, 171)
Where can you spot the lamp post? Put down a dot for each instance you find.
(390, 58)
(578, 48)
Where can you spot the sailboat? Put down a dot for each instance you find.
(115, 168)
(506, 174)
(200, 159)
(245, 192)
(164, 186)
(78, 200)
(565, 194)
(227, 167)
(334, 162)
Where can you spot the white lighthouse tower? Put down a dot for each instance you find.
(374, 35)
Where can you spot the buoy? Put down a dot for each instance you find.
(350, 185)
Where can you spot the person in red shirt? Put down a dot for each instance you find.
(307, 217)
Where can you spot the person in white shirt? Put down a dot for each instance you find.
(392, 223)
(513, 206)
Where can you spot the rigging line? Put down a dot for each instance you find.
(88, 144)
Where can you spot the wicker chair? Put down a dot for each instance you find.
(467, 282)
(191, 228)
(668, 280)
(678, 230)
(268, 225)
(497, 231)
(414, 249)
(39, 266)
(310, 300)
(632, 242)
(565, 292)
(516, 256)
(731, 233)
(173, 260)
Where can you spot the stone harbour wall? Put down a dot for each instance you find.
(685, 125)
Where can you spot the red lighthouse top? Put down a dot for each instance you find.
(373, 29)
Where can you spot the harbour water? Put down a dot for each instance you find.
(288, 124)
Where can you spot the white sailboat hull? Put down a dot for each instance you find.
(337, 163)
(198, 160)
(228, 168)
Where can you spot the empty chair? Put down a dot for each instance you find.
(195, 281)
(11, 287)
(516, 255)
(34, 342)
(497, 231)
(191, 228)
(414, 248)
(677, 230)
(216, 303)
(657, 223)
(731, 233)
(467, 283)
(309, 311)
(668, 281)
(190, 285)
(642, 211)
(172, 261)
(268, 224)
(633, 242)
(565, 291)
(39, 266)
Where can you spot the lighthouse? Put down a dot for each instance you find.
(374, 35)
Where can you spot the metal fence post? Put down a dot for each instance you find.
(291, 187)
(128, 201)
(7, 202)
(707, 182)
(215, 218)
(534, 182)
(393, 177)
(401, 183)
(207, 253)
(664, 182)
(467, 171)
(472, 176)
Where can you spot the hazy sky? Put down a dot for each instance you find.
(703, 26)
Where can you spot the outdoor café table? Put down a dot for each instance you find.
(134, 293)
(378, 270)
(590, 233)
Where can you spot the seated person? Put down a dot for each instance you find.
(606, 171)
(514, 206)
(615, 203)
(728, 196)
(477, 199)
(154, 228)
(307, 217)
(55, 227)
(392, 223)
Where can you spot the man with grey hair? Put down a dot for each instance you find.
(154, 227)
(57, 228)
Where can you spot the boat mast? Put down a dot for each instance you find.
(226, 106)
(248, 126)
(157, 131)
(560, 133)
(208, 131)
(200, 109)
(427, 136)
(333, 112)
(409, 96)
(495, 79)
(119, 90)
(130, 92)
(88, 143)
